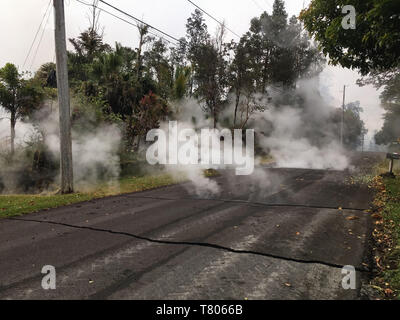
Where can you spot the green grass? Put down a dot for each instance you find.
(391, 218)
(387, 231)
(13, 205)
(264, 160)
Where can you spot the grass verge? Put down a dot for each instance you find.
(14, 205)
(387, 235)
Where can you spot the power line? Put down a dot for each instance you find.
(212, 17)
(37, 33)
(139, 20)
(122, 19)
(269, 4)
(258, 5)
(41, 38)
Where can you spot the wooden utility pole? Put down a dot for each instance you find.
(67, 185)
(343, 110)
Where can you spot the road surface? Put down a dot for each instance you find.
(276, 235)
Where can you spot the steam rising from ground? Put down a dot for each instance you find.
(201, 186)
(95, 151)
(291, 149)
(301, 136)
(296, 129)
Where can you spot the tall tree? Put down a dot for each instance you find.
(241, 74)
(209, 65)
(88, 46)
(354, 127)
(197, 35)
(159, 67)
(281, 52)
(17, 96)
(390, 98)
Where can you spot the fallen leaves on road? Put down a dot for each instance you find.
(351, 218)
(383, 237)
(389, 292)
(377, 216)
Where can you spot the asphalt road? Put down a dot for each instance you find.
(276, 235)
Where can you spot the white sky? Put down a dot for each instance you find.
(20, 19)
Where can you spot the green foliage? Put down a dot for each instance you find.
(275, 50)
(159, 68)
(211, 78)
(373, 45)
(391, 220)
(18, 96)
(15, 205)
(87, 47)
(180, 88)
(390, 97)
(46, 76)
(152, 109)
(354, 127)
(278, 51)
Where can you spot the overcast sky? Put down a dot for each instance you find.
(20, 19)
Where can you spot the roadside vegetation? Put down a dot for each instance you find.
(13, 205)
(119, 93)
(386, 234)
(372, 49)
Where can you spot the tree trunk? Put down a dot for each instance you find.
(142, 32)
(236, 108)
(137, 146)
(13, 122)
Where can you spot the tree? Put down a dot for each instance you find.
(152, 109)
(373, 45)
(211, 78)
(197, 35)
(17, 96)
(180, 87)
(280, 52)
(241, 75)
(354, 127)
(159, 68)
(88, 46)
(46, 75)
(390, 98)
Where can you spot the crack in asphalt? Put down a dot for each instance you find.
(252, 203)
(193, 244)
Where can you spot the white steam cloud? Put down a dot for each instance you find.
(95, 151)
